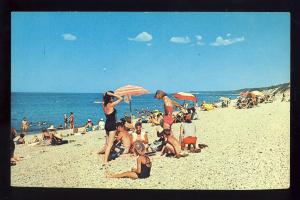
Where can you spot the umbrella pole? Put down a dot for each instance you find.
(130, 110)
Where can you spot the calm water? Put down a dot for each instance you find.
(51, 107)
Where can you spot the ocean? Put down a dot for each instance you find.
(51, 107)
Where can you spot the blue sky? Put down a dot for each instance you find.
(172, 51)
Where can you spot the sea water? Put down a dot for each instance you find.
(51, 107)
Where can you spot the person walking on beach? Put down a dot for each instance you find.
(65, 121)
(24, 126)
(71, 120)
(143, 165)
(110, 124)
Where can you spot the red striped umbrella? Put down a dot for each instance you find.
(185, 96)
(131, 90)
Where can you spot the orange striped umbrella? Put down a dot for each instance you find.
(131, 90)
(185, 96)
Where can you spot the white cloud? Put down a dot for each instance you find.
(228, 34)
(104, 69)
(149, 44)
(199, 40)
(69, 36)
(142, 37)
(224, 42)
(180, 40)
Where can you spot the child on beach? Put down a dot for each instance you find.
(143, 165)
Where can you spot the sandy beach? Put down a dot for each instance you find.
(247, 149)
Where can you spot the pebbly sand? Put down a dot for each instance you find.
(247, 149)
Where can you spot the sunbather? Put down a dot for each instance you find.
(143, 165)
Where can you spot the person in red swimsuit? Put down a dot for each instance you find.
(168, 121)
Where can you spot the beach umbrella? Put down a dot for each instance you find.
(224, 99)
(131, 90)
(185, 96)
(257, 93)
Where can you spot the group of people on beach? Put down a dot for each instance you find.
(124, 137)
(137, 141)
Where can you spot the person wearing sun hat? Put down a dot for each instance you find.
(143, 165)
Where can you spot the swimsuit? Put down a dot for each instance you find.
(110, 123)
(145, 170)
(168, 115)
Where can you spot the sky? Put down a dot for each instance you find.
(173, 51)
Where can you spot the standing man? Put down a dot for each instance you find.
(24, 126)
(71, 120)
(65, 121)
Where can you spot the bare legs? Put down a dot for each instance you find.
(102, 151)
(176, 147)
(128, 174)
(110, 140)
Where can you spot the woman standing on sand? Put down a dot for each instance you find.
(110, 124)
(168, 121)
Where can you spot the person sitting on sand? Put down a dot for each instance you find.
(46, 136)
(128, 123)
(172, 146)
(140, 135)
(123, 136)
(101, 124)
(55, 139)
(21, 139)
(143, 165)
(13, 157)
(158, 144)
(188, 133)
(88, 126)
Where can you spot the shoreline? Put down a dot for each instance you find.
(247, 149)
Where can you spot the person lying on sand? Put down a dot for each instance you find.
(143, 165)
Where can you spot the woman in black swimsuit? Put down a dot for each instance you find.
(143, 165)
(110, 124)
